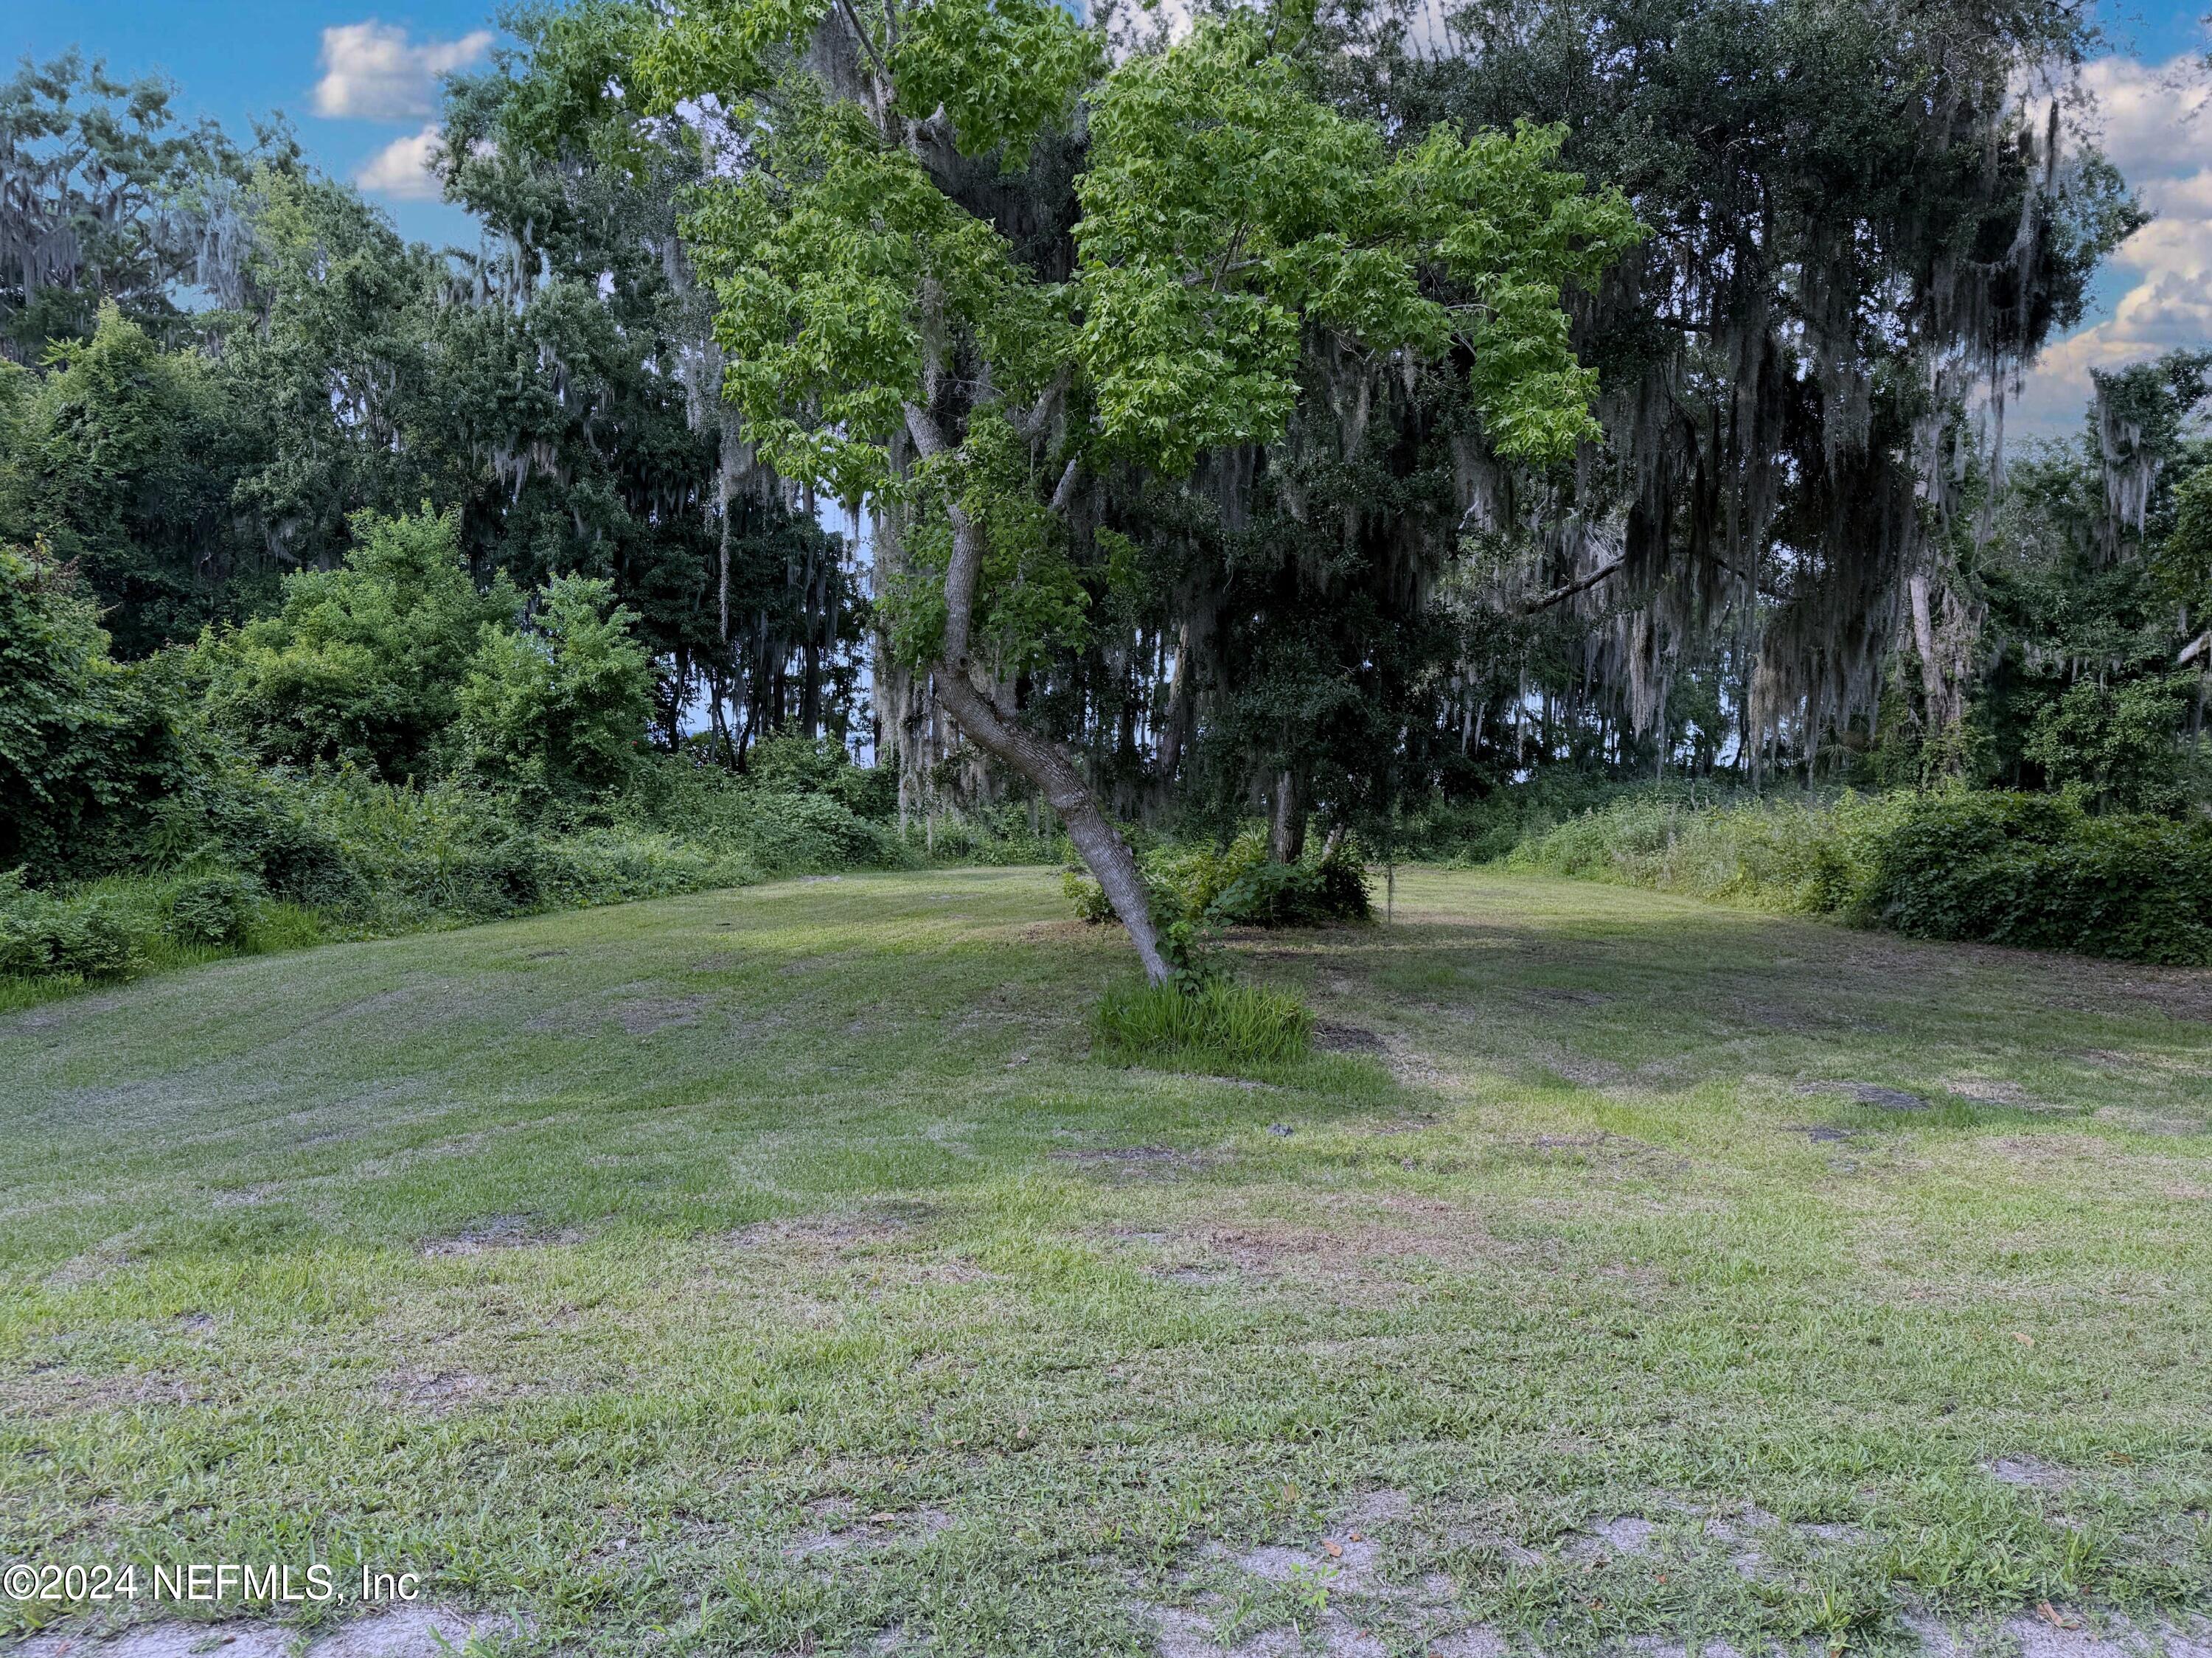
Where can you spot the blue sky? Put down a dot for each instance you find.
(237, 59)
(359, 85)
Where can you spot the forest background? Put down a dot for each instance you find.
(357, 586)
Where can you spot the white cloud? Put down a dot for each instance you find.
(2145, 112)
(403, 167)
(2153, 121)
(372, 73)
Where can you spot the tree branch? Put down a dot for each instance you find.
(867, 44)
(1581, 585)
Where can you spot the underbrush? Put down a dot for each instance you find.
(2037, 870)
(247, 860)
(1197, 890)
(1206, 1025)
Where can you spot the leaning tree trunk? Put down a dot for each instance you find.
(997, 731)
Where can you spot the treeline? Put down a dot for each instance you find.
(218, 357)
(1690, 472)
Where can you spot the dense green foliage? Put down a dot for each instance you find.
(1198, 889)
(2040, 871)
(87, 743)
(362, 664)
(552, 390)
(387, 749)
(1258, 417)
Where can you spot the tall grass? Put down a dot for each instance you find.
(1797, 855)
(1200, 1027)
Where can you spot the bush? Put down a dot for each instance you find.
(215, 909)
(1269, 894)
(2115, 745)
(87, 743)
(1236, 1023)
(2015, 869)
(504, 876)
(2040, 871)
(791, 764)
(361, 664)
(790, 832)
(40, 935)
(1195, 889)
(558, 709)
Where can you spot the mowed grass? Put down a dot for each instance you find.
(778, 1271)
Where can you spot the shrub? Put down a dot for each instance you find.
(503, 876)
(2116, 744)
(360, 664)
(1236, 1023)
(2017, 869)
(791, 764)
(87, 743)
(558, 709)
(1268, 894)
(214, 909)
(89, 936)
(268, 857)
(786, 832)
(2040, 871)
(1197, 889)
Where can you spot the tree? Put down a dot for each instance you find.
(2094, 577)
(330, 358)
(582, 382)
(104, 198)
(1860, 226)
(86, 743)
(362, 664)
(123, 456)
(905, 325)
(558, 708)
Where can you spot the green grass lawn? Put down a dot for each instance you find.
(777, 1270)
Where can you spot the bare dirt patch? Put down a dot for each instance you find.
(447, 1390)
(49, 1388)
(2065, 1634)
(1345, 1039)
(1181, 1634)
(854, 1531)
(496, 1232)
(2030, 1471)
(1139, 1160)
(1992, 1090)
(1628, 1533)
(642, 1016)
(1874, 1093)
(110, 1255)
(1589, 1073)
